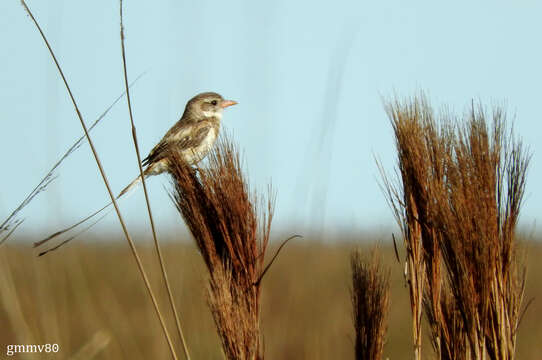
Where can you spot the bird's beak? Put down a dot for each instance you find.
(227, 103)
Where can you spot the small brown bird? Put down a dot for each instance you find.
(193, 136)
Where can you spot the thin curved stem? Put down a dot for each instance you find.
(106, 182)
(156, 243)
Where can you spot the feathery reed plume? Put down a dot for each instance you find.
(422, 148)
(232, 234)
(462, 187)
(408, 201)
(476, 217)
(370, 301)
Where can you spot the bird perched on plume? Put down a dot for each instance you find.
(192, 136)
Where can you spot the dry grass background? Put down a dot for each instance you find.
(88, 298)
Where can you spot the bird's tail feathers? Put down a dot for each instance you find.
(130, 187)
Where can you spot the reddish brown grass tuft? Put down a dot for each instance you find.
(458, 205)
(370, 302)
(232, 234)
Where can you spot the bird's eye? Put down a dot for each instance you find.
(214, 102)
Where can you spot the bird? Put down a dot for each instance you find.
(192, 137)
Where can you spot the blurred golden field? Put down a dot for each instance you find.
(88, 297)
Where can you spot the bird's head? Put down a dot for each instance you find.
(206, 105)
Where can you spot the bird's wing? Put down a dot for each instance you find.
(155, 153)
(185, 138)
(194, 139)
(178, 131)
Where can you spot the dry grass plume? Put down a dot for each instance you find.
(232, 234)
(370, 302)
(457, 202)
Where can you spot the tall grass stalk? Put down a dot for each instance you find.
(106, 182)
(231, 231)
(151, 219)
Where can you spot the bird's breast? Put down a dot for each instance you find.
(200, 151)
(209, 140)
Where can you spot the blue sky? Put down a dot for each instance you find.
(310, 79)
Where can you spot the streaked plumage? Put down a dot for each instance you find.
(193, 135)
